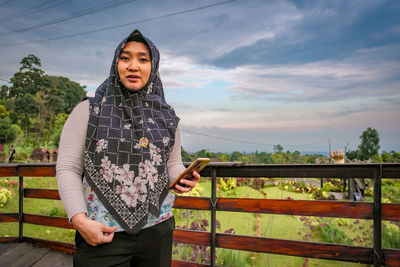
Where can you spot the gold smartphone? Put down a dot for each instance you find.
(196, 165)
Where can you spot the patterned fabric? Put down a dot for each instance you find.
(96, 210)
(130, 179)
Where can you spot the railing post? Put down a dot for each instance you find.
(21, 208)
(213, 214)
(377, 210)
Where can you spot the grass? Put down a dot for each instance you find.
(271, 226)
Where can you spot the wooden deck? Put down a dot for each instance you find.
(23, 254)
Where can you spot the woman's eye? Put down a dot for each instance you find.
(124, 58)
(143, 60)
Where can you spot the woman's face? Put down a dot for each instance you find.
(134, 65)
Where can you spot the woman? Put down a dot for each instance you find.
(118, 153)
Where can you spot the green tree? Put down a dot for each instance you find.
(203, 154)
(235, 156)
(279, 158)
(351, 154)
(4, 91)
(3, 112)
(296, 157)
(29, 79)
(8, 131)
(186, 157)
(369, 145)
(59, 122)
(391, 156)
(34, 99)
(264, 157)
(25, 84)
(63, 94)
(26, 108)
(278, 148)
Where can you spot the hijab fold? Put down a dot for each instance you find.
(129, 176)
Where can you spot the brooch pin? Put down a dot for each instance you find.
(143, 142)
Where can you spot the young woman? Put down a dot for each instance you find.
(118, 153)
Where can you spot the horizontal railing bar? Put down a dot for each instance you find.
(8, 170)
(28, 169)
(296, 248)
(195, 203)
(308, 171)
(33, 171)
(61, 246)
(47, 221)
(391, 212)
(192, 237)
(238, 169)
(356, 210)
(176, 263)
(41, 193)
(8, 217)
(391, 257)
(9, 239)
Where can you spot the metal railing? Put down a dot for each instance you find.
(376, 211)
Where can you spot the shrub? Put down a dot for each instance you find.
(21, 156)
(3, 156)
(227, 184)
(390, 235)
(391, 193)
(57, 211)
(5, 195)
(330, 234)
(332, 187)
(298, 187)
(227, 257)
(37, 154)
(320, 194)
(325, 230)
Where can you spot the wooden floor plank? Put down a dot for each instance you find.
(6, 246)
(55, 259)
(23, 254)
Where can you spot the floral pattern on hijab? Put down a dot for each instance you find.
(130, 176)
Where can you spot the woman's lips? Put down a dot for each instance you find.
(133, 78)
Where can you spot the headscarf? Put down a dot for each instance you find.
(128, 142)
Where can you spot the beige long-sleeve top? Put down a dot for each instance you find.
(70, 160)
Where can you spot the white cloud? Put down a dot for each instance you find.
(327, 80)
(287, 103)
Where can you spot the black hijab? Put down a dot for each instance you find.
(128, 142)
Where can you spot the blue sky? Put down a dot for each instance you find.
(242, 76)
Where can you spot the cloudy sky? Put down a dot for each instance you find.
(242, 75)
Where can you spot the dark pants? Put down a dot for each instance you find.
(150, 247)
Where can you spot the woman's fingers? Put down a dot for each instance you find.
(108, 229)
(93, 232)
(189, 184)
(108, 233)
(180, 189)
(107, 237)
(196, 176)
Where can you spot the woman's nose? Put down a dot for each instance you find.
(133, 65)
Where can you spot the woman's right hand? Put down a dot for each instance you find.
(93, 232)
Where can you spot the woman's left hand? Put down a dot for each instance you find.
(189, 184)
